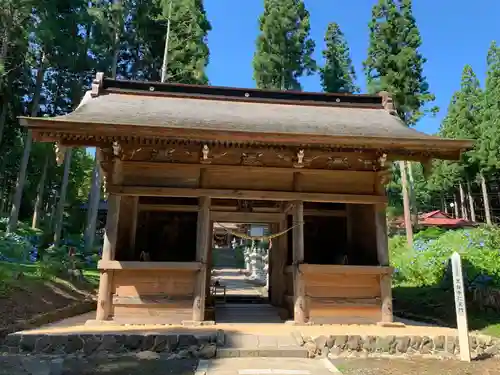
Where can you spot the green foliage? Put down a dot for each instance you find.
(489, 139)
(284, 48)
(394, 62)
(426, 263)
(188, 52)
(337, 74)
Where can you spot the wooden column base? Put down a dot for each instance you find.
(104, 301)
(386, 294)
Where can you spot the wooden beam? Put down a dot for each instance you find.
(341, 269)
(160, 299)
(245, 194)
(246, 217)
(300, 308)
(202, 245)
(330, 213)
(168, 207)
(104, 302)
(148, 266)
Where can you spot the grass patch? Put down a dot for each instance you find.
(22, 275)
(437, 305)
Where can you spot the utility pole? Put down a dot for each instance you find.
(165, 52)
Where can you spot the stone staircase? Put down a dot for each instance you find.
(224, 258)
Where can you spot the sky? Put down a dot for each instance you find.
(454, 33)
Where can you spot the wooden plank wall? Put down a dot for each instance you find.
(247, 178)
(342, 297)
(162, 296)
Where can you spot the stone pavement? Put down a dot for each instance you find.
(235, 282)
(243, 345)
(265, 366)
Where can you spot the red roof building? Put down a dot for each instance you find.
(436, 219)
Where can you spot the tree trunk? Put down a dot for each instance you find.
(116, 48)
(5, 100)
(444, 206)
(406, 204)
(471, 201)
(455, 206)
(95, 198)
(39, 197)
(463, 207)
(486, 200)
(3, 116)
(413, 197)
(21, 179)
(62, 198)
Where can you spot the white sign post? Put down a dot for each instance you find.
(460, 307)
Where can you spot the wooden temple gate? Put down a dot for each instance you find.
(177, 158)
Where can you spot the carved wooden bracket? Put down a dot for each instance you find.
(338, 163)
(117, 149)
(205, 158)
(163, 155)
(382, 160)
(60, 150)
(251, 159)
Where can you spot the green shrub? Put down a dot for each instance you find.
(427, 262)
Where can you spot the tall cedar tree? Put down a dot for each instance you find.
(337, 75)
(489, 140)
(284, 48)
(462, 121)
(394, 62)
(188, 52)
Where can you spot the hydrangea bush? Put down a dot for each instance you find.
(426, 264)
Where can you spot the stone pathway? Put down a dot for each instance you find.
(235, 282)
(246, 313)
(264, 366)
(243, 345)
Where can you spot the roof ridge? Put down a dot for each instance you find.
(102, 84)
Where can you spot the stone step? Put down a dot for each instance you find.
(271, 352)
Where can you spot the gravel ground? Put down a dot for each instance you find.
(416, 367)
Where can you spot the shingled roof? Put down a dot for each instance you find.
(245, 112)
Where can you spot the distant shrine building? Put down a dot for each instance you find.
(179, 158)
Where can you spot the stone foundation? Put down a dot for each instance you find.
(355, 345)
(177, 345)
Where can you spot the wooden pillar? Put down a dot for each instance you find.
(299, 305)
(202, 245)
(104, 301)
(209, 259)
(278, 258)
(383, 260)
